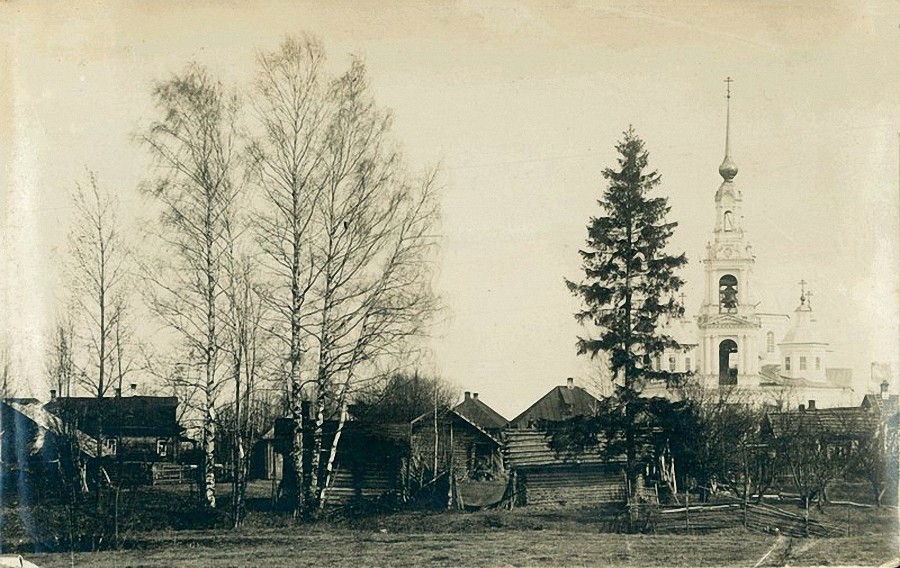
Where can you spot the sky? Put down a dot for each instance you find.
(520, 104)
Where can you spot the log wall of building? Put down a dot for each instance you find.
(543, 477)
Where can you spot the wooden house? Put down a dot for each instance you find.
(466, 439)
(836, 427)
(370, 464)
(37, 449)
(132, 429)
(541, 476)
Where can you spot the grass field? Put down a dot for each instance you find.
(493, 548)
(522, 537)
(497, 538)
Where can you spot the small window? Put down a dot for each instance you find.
(802, 363)
(687, 364)
(787, 363)
(818, 363)
(110, 446)
(161, 448)
(672, 364)
(770, 342)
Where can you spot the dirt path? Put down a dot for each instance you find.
(776, 554)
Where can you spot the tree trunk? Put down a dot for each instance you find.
(329, 468)
(316, 458)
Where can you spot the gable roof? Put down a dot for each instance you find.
(885, 406)
(47, 422)
(480, 414)
(561, 403)
(121, 416)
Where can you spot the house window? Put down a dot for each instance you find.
(687, 364)
(770, 342)
(818, 363)
(672, 364)
(161, 448)
(787, 363)
(802, 363)
(110, 446)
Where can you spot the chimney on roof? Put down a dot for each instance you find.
(118, 393)
(468, 395)
(52, 394)
(811, 405)
(884, 390)
(133, 389)
(474, 396)
(801, 408)
(570, 383)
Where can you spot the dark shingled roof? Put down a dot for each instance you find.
(842, 422)
(561, 403)
(480, 414)
(121, 416)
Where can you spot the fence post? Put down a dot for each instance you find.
(687, 511)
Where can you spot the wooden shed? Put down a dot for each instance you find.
(466, 439)
(370, 463)
(540, 476)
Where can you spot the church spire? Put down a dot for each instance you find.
(728, 169)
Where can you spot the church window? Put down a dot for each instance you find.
(672, 364)
(818, 363)
(770, 342)
(787, 363)
(728, 222)
(728, 293)
(802, 363)
(687, 364)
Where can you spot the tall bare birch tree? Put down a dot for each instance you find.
(194, 143)
(347, 233)
(375, 227)
(291, 107)
(245, 321)
(96, 277)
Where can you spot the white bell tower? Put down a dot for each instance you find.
(729, 328)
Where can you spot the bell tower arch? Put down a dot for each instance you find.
(727, 321)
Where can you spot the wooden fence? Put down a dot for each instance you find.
(172, 474)
(704, 518)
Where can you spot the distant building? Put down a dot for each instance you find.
(732, 343)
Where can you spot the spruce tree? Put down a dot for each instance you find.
(629, 287)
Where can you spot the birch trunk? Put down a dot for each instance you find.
(329, 468)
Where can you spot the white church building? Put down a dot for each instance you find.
(779, 359)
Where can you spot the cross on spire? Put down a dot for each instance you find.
(728, 169)
(803, 293)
